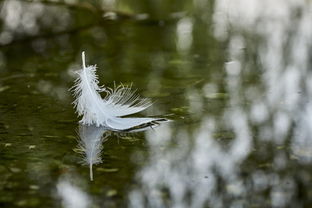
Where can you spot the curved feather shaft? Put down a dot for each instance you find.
(83, 57)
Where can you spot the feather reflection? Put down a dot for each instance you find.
(91, 144)
(91, 140)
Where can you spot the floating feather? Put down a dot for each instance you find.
(108, 111)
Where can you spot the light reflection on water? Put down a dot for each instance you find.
(192, 169)
(71, 195)
(256, 151)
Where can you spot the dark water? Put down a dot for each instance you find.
(235, 76)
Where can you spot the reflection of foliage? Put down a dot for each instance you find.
(92, 6)
(45, 18)
(261, 159)
(42, 20)
(244, 136)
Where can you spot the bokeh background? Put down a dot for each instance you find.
(233, 75)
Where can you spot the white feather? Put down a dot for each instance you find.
(107, 111)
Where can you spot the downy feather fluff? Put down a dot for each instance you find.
(107, 111)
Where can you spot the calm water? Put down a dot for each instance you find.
(235, 76)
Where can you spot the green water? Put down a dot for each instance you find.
(235, 82)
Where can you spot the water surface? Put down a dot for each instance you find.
(235, 76)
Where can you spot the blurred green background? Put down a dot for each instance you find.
(234, 76)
